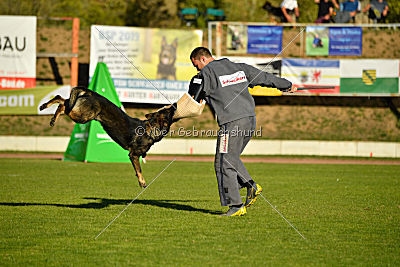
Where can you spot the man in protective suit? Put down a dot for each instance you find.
(224, 86)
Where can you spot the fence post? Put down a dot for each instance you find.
(210, 36)
(75, 48)
(302, 42)
(218, 40)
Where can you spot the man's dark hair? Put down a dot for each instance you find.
(199, 52)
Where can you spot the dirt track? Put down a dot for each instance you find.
(366, 161)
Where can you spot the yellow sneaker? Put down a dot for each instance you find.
(234, 211)
(252, 194)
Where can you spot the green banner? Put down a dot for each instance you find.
(377, 85)
(28, 101)
(89, 142)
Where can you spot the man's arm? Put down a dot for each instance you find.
(335, 4)
(196, 87)
(258, 77)
(288, 18)
(366, 8)
(358, 9)
(328, 16)
(385, 11)
(296, 12)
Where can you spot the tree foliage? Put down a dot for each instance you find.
(158, 13)
(152, 13)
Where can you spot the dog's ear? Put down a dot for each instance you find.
(175, 43)
(163, 41)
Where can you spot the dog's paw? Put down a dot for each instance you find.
(52, 123)
(143, 184)
(42, 107)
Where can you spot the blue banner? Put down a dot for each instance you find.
(264, 39)
(345, 41)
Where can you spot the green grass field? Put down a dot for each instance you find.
(51, 212)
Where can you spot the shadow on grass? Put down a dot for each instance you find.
(105, 202)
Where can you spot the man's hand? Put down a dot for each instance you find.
(293, 89)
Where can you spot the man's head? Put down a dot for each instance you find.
(200, 57)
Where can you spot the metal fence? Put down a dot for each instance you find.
(217, 31)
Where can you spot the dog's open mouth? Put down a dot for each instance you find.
(166, 60)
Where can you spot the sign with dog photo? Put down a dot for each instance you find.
(17, 52)
(147, 65)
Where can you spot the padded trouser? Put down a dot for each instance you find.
(232, 175)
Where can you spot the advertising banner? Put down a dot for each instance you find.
(17, 52)
(333, 41)
(312, 73)
(317, 41)
(264, 39)
(146, 65)
(369, 76)
(345, 41)
(28, 101)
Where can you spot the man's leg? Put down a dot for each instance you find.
(244, 178)
(227, 158)
(218, 172)
(248, 126)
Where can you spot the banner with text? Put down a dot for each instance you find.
(146, 65)
(28, 101)
(313, 73)
(17, 52)
(333, 41)
(345, 41)
(264, 39)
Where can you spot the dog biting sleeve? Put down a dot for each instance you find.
(187, 107)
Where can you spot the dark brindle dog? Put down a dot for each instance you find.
(134, 135)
